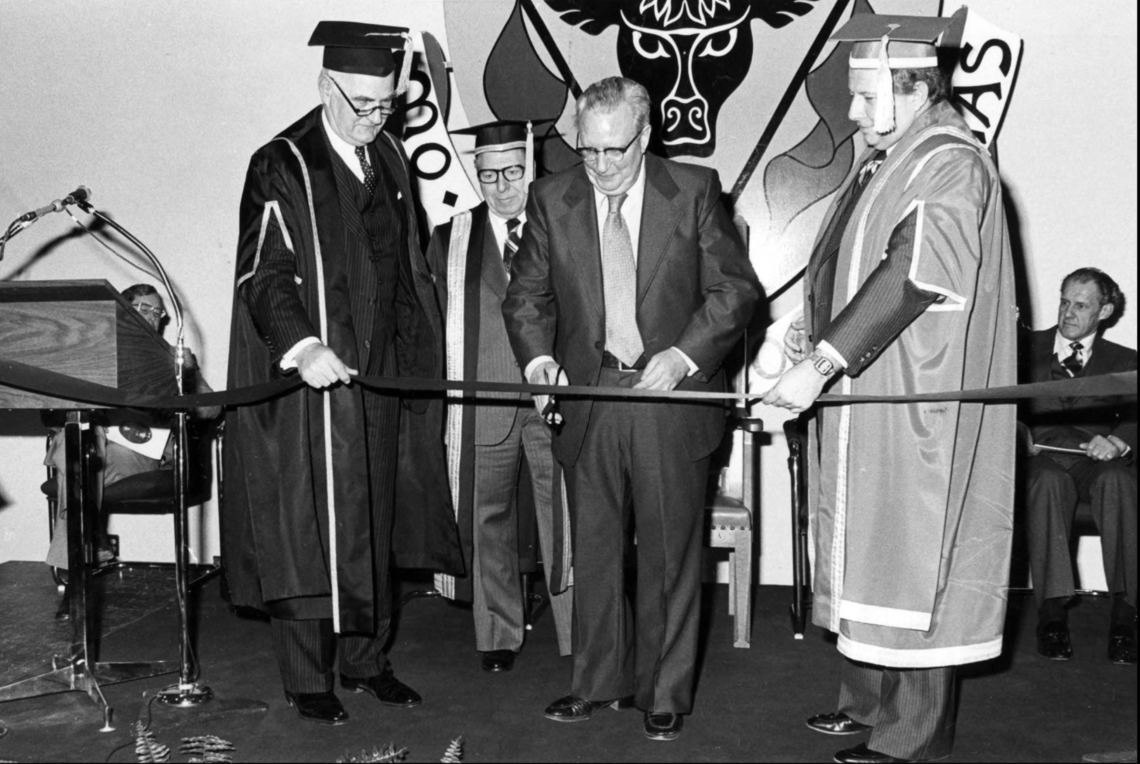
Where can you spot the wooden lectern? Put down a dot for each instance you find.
(83, 329)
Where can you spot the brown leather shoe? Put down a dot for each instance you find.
(318, 707)
(574, 709)
(1122, 644)
(496, 661)
(385, 687)
(1053, 641)
(861, 754)
(836, 724)
(663, 726)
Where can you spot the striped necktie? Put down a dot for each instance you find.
(1073, 363)
(511, 245)
(369, 173)
(619, 286)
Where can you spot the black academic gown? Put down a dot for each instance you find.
(298, 526)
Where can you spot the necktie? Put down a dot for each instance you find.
(619, 282)
(369, 173)
(870, 167)
(1073, 363)
(511, 246)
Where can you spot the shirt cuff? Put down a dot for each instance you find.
(824, 347)
(535, 364)
(289, 360)
(693, 368)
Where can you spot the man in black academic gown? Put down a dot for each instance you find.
(327, 267)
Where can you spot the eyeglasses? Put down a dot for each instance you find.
(512, 173)
(149, 310)
(386, 108)
(590, 155)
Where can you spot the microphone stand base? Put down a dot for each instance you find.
(185, 695)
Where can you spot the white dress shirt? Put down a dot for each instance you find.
(1062, 347)
(631, 210)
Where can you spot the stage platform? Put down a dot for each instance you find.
(751, 704)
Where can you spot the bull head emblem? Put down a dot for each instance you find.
(690, 54)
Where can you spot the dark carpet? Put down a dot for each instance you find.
(751, 704)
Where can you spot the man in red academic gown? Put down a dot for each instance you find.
(909, 290)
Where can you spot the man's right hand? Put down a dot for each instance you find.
(320, 367)
(795, 341)
(549, 373)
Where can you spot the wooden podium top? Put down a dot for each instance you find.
(84, 329)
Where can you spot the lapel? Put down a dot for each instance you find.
(486, 249)
(659, 219)
(1100, 362)
(579, 226)
(314, 147)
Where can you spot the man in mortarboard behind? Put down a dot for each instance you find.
(327, 270)
(492, 435)
(909, 289)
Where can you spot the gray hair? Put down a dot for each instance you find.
(608, 94)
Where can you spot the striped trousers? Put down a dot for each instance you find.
(911, 710)
(306, 651)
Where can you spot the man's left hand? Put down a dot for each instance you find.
(1104, 449)
(663, 372)
(798, 389)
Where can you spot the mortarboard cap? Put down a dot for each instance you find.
(884, 43)
(504, 135)
(356, 48)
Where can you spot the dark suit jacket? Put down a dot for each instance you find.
(1071, 421)
(696, 289)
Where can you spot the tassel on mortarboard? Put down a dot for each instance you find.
(885, 90)
(406, 66)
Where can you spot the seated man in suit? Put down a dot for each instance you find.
(1081, 449)
(122, 436)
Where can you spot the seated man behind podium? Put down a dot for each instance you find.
(122, 436)
(1099, 466)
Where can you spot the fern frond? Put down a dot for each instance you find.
(454, 752)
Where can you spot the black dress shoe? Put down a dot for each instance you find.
(498, 660)
(318, 707)
(836, 724)
(1122, 644)
(662, 726)
(575, 709)
(1053, 641)
(861, 754)
(385, 687)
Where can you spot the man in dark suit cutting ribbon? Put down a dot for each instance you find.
(631, 274)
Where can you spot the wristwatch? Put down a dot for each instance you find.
(823, 365)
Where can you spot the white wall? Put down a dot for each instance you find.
(157, 107)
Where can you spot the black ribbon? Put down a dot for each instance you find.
(56, 385)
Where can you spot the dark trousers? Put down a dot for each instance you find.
(633, 457)
(306, 650)
(1055, 485)
(911, 710)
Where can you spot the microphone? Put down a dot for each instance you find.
(78, 196)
